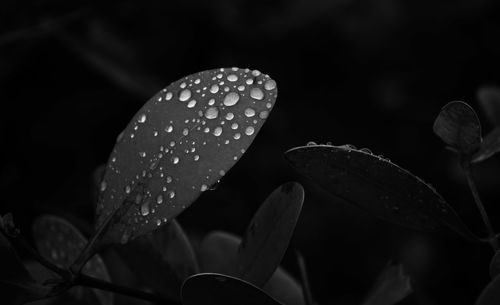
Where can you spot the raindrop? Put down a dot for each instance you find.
(142, 118)
(255, 72)
(145, 208)
(185, 132)
(120, 137)
(264, 114)
(142, 154)
(217, 131)
(197, 81)
(127, 189)
(168, 96)
(234, 126)
(158, 222)
(169, 128)
(256, 93)
(249, 112)
(270, 84)
(249, 131)
(184, 95)
(196, 157)
(229, 116)
(232, 77)
(159, 199)
(249, 81)
(155, 134)
(241, 88)
(231, 99)
(237, 136)
(211, 102)
(222, 172)
(310, 143)
(171, 194)
(211, 113)
(104, 185)
(175, 160)
(214, 88)
(191, 103)
(169, 179)
(183, 85)
(203, 187)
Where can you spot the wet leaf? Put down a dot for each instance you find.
(218, 254)
(490, 294)
(182, 141)
(489, 100)
(489, 146)
(376, 185)
(219, 289)
(61, 243)
(16, 282)
(458, 126)
(161, 260)
(269, 233)
(391, 287)
(495, 265)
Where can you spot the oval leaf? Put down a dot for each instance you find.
(391, 287)
(489, 146)
(218, 254)
(490, 294)
(376, 185)
(495, 265)
(182, 141)
(161, 260)
(61, 243)
(489, 99)
(458, 126)
(219, 289)
(16, 282)
(268, 235)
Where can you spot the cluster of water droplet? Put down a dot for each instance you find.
(225, 106)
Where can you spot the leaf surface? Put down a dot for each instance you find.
(219, 289)
(491, 293)
(377, 186)
(391, 287)
(489, 146)
(182, 141)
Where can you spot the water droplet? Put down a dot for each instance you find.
(211, 113)
(270, 84)
(183, 85)
(145, 208)
(120, 137)
(217, 131)
(237, 136)
(175, 160)
(168, 96)
(264, 114)
(234, 126)
(249, 131)
(169, 179)
(142, 118)
(203, 187)
(310, 143)
(222, 172)
(127, 189)
(229, 116)
(249, 81)
(184, 95)
(185, 131)
(159, 199)
(158, 222)
(197, 81)
(104, 185)
(171, 194)
(256, 93)
(232, 77)
(155, 134)
(249, 112)
(241, 88)
(191, 103)
(231, 99)
(142, 154)
(169, 128)
(255, 72)
(214, 88)
(196, 157)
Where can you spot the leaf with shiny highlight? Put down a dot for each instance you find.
(377, 186)
(61, 243)
(178, 145)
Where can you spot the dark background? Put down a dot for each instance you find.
(370, 73)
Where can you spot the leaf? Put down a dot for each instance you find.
(495, 265)
(489, 146)
(458, 126)
(377, 186)
(218, 254)
(182, 141)
(489, 100)
(161, 260)
(16, 282)
(219, 289)
(391, 287)
(61, 243)
(269, 233)
(490, 294)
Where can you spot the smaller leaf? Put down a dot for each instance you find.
(490, 294)
(391, 287)
(489, 99)
(162, 260)
(495, 265)
(458, 126)
(269, 233)
(218, 254)
(489, 146)
(61, 243)
(220, 289)
(16, 282)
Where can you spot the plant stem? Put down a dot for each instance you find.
(304, 278)
(88, 281)
(475, 194)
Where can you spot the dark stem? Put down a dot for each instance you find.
(88, 281)
(304, 278)
(484, 215)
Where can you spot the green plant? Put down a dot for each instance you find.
(180, 144)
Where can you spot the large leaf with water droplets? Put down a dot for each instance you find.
(219, 253)
(376, 185)
(458, 126)
(489, 100)
(182, 141)
(161, 260)
(491, 293)
(269, 233)
(489, 146)
(16, 283)
(219, 289)
(61, 243)
(391, 287)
